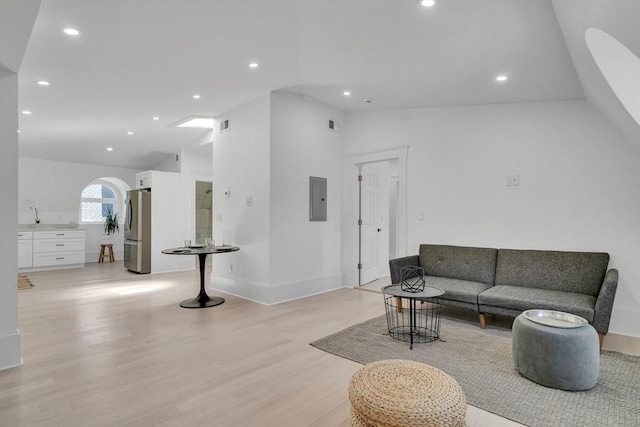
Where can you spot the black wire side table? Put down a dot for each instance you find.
(420, 321)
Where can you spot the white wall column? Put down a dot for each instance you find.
(10, 354)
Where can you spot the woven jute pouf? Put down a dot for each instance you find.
(356, 420)
(402, 393)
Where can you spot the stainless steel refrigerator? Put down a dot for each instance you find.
(137, 231)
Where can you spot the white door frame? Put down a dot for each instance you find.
(351, 243)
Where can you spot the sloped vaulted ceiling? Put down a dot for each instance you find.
(137, 59)
(619, 18)
(16, 22)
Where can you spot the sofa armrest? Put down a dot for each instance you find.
(604, 302)
(396, 264)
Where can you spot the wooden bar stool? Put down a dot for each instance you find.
(108, 247)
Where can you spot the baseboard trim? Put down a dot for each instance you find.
(263, 293)
(622, 343)
(49, 267)
(10, 351)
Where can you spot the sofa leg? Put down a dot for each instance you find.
(601, 339)
(482, 323)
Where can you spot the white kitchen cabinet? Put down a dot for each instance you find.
(25, 249)
(143, 180)
(52, 249)
(165, 219)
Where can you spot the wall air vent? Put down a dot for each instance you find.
(224, 126)
(334, 126)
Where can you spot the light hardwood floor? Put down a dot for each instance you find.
(104, 347)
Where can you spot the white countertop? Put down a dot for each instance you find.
(47, 227)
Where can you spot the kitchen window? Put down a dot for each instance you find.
(96, 200)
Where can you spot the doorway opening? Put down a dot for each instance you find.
(203, 211)
(377, 207)
(374, 220)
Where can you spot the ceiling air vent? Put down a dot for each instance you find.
(334, 126)
(224, 126)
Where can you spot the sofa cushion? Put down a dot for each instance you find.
(580, 272)
(459, 262)
(520, 298)
(457, 290)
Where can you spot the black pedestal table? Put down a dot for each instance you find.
(202, 300)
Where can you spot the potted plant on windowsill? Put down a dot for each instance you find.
(110, 224)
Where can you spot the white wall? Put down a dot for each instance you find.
(274, 145)
(9, 335)
(241, 165)
(16, 24)
(56, 187)
(579, 182)
(170, 164)
(305, 257)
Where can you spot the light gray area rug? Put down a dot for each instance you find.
(480, 360)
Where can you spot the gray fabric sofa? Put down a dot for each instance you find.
(510, 281)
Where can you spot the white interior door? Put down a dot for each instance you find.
(374, 243)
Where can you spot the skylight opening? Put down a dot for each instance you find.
(619, 66)
(196, 122)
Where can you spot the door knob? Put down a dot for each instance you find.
(379, 230)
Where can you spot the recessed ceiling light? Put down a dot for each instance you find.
(198, 122)
(26, 112)
(253, 65)
(501, 78)
(71, 31)
(427, 3)
(109, 148)
(346, 93)
(196, 96)
(156, 118)
(43, 83)
(129, 133)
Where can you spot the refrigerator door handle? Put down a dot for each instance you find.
(130, 212)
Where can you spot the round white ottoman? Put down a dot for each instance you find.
(565, 356)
